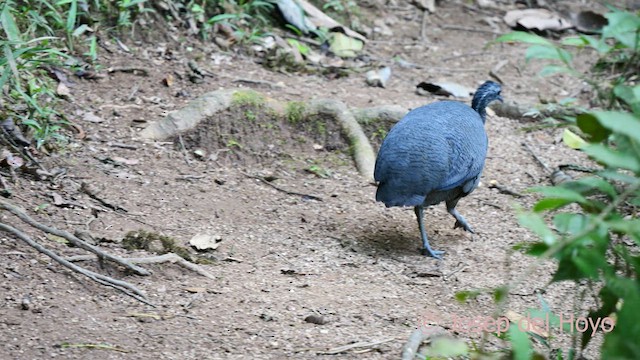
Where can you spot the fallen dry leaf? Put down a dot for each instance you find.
(536, 19)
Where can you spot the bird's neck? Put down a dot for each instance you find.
(479, 104)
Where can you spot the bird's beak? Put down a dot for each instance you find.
(499, 98)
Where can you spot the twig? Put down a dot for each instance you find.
(504, 190)
(133, 92)
(580, 168)
(423, 28)
(494, 71)
(360, 344)
(95, 346)
(72, 239)
(535, 156)
(418, 336)
(122, 286)
(85, 188)
(123, 146)
(470, 29)
(304, 196)
(461, 268)
(175, 259)
(184, 150)
(129, 69)
(169, 257)
(256, 82)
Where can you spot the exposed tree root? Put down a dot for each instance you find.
(72, 239)
(122, 286)
(517, 111)
(348, 119)
(363, 153)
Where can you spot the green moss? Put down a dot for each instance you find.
(250, 115)
(295, 111)
(143, 240)
(247, 97)
(321, 128)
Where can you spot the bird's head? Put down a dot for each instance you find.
(486, 93)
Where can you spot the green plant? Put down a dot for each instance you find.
(345, 11)
(128, 9)
(247, 18)
(22, 71)
(294, 111)
(617, 49)
(595, 241)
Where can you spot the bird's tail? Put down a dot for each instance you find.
(390, 198)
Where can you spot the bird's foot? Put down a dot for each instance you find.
(463, 225)
(433, 253)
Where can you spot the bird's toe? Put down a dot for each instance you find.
(433, 253)
(464, 226)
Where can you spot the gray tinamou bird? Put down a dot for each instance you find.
(435, 153)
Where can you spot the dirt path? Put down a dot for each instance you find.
(345, 259)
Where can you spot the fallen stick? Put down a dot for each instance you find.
(263, 180)
(169, 257)
(357, 345)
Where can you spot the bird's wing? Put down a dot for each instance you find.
(464, 169)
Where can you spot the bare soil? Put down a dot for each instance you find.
(346, 259)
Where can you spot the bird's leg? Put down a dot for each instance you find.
(426, 250)
(460, 221)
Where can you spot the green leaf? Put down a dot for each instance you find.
(446, 347)
(344, 46)
(11, 61)
(303, 49)
(500, 293)
(520, 343)
(621, 343)
(616, 175)
(222, 18)
(537, 249)
(81, 30)
(623, 26)
(572, 140)
(590, 125)
(554, 320)
(574, 41)
(561, 193)
(556, 69)
(613, 158)
(550, 204)
(586, 184)
(621, 122)
(542, 52)
(598, 44)
(628, 94)
(570, 223)
(567, 270)
(534, 222)
(9, 25)
(523, 37)
(71, 17)
(463, 296)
